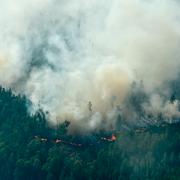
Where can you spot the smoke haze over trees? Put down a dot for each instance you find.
(89, 89)
(63, 54)
(151, 154)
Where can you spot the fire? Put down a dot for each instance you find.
(110, 139)
(58, 141)
(113, 137)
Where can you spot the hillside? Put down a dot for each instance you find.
(29, 149)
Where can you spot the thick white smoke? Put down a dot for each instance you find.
(78, 59)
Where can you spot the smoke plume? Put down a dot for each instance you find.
(93, 62)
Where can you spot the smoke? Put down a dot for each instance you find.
(91, 62)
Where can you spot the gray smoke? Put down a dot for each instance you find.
(91, 62)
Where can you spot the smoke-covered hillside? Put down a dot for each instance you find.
(29, 149)
(91, 89)
(64, 55)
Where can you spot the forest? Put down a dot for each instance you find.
(29, 149)
(89, 90)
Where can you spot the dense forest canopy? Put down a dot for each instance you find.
(28, 149)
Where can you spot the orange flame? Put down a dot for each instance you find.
(113, 137)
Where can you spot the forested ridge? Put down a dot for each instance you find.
(150, 154)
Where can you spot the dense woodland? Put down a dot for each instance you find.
(150, 154)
